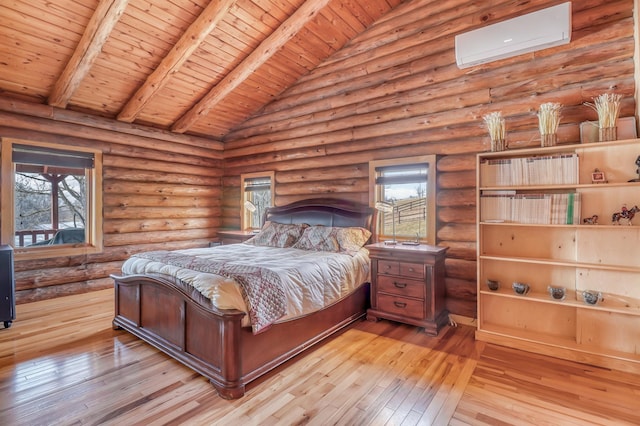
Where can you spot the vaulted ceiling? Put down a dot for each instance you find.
(198, 67)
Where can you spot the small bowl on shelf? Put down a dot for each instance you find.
(557, 293)
(493, 285)
(520, 288)
(591, 297)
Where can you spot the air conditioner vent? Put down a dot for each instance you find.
(527, 33)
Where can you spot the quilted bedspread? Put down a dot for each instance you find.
(269, 284)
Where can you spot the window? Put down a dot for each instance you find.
(257, 195)
(53, 204)
(403, 192)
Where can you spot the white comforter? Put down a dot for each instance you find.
(311, 279)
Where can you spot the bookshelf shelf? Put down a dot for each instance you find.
(572, 300)
(560, 347)
(573, 264)
(582, 186)
(532, 227)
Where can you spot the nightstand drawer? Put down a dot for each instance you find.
(390, 267)
(413, 270)
(401, 306)
(401, 286)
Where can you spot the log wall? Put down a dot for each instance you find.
(160, 191)
(395, 91)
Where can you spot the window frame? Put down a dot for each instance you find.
(93, 224)
(245, 215)
(375, 193)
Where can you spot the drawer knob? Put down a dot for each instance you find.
(400, 304)
(399, 285)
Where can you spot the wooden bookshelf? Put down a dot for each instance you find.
(530, 247)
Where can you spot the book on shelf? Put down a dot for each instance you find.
(555, 169)
(496, 205)
(527, 208)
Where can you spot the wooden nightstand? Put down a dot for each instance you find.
(234, 236)
(407, 285)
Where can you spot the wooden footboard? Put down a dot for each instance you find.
(184, 324)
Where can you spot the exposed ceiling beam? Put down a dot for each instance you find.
(188, 43)
(105, 17)
(259, 56)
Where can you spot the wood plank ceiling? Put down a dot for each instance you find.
(190, 66)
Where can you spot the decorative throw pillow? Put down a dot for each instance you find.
(319, 238)
(352, 239)
(275, 234)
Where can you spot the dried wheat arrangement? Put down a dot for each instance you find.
(548, 122)
(607, 105)
(496, 126)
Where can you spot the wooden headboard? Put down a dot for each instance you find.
(324, 211)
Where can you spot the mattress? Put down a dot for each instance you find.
(311, 280)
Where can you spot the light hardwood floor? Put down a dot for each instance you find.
(62, 364)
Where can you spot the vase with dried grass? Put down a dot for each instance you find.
(607, 105)
(548, 122)
(495, 125)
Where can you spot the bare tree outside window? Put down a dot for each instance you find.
(262, 200)
(36, 197)
(257, 197)
(52, 205)
(33, 202)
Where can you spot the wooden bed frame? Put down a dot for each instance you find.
(178, 320)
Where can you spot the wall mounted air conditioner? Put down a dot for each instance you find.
(527, 33)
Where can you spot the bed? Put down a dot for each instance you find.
(221, 344)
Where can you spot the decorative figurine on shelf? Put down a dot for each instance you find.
(637, 170)
(598, 177)
(625, 215)
(593, 220)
